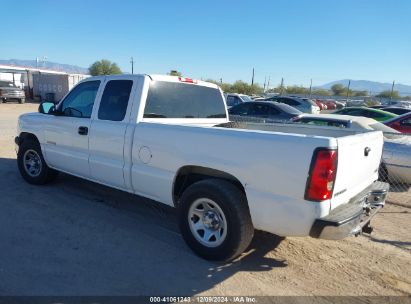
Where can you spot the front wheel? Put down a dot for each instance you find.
(22, 100)
(215, 220)
(31, 164)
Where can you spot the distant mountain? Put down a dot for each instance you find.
(370, 86)
(48, 65)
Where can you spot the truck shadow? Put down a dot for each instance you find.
(400, 244)
(89, 239)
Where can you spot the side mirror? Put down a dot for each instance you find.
(46, 107)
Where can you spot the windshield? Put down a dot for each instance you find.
(7, 84)
(245, 98)
(289, 109)
(180, 100)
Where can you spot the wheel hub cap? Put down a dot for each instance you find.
(207, 222)
(32, 163)
(211, 220)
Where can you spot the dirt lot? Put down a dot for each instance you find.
(75, 237)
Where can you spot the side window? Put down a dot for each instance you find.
(287, 101)
(232, 100)
(260, 110)
(273, 111)
(113, 105)
(291, 102)
(241, 109)
(80, 101)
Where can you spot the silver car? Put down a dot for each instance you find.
(396, 162)
(8, 91)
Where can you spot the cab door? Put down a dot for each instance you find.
(66, 133)
(108, 131)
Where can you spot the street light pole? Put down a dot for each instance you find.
(252, 79)
(311, 86)
(392, 91)
(132, 65)
(348, 89)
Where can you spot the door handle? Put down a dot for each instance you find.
(82, 130)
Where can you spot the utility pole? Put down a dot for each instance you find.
(281, 86)
(252, 79)
(348, 89)
(132, 65)
(392, 91)
(268, 83)
(44, 61)
(221, 80)
(265, 80)
(311, 86)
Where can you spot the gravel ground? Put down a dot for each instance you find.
(75, 237)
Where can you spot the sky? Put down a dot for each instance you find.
(299, 40)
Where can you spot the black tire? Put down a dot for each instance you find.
(45, 175)
(3, 100)
(22, 100)
(234, 205)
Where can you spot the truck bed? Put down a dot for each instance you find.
(290, 128)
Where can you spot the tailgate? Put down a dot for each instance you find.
(356, 168)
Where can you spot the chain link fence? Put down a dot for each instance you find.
(395, 166)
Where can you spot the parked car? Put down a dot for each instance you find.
(265, 109)
(396, 110)
(355, 123)
(340, 104)
(376, 114)
(401, 123)
(396, 161)
(233, 99)
(402, 104)
(169, 139)
(320, 104)
(306, 106)
(331, 105)
(8, 91)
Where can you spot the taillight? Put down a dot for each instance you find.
(188, 80)
(322, 174)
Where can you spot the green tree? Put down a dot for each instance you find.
(321, 92)
(175, 73)
(338, 89)
(297, 90)
(360, 93)
(387, 94)
(104, 67)
(242, 87)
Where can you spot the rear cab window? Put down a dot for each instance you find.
(183, 100)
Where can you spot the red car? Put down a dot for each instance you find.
(320, 104)
(401, 123)
(330, 105)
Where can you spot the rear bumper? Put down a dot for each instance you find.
(13, 95)
(352, 218)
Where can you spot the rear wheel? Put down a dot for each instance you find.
(3, 100)
(31, 164)
(215, 220)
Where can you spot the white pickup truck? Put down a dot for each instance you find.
(169, 139)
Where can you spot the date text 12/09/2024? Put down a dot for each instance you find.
(204, 299)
